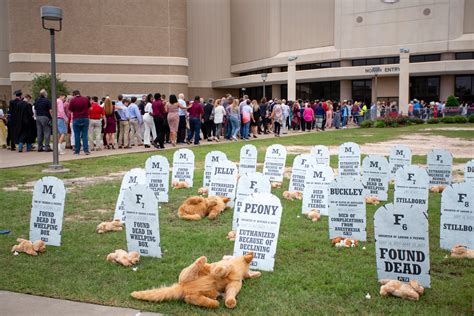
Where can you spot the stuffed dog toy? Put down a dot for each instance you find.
(459, 251)
(372, 200)
(313, 215)
(115, 225)
(197, 207)
(340, 242)
(203, 191)
(410, 291)
(28, 247)
(124, 258)
(180, 185)
(292, 195)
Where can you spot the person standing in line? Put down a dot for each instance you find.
(31, 122)
(247, 117)
(296, 117)
(110, 125)
(79, 108)
(13, 120)
(96, 114)
(149, 123)
(345, 114)
(337, 116)
(277, 116)
(286, 115)
(62, 124)
(24, 114)
(255, 118)
(182, 119)
(208, 120)
(43, 121)
(124, 124)
(219, 113)
(172, 108)
(242, 103)
(319, 116)
(135, 122)
(329, 114)
(195, 114)
(308, 115)
(166, 127)
(159, 113)
(263, 114)
(234, 118)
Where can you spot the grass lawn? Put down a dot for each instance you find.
(310, 276)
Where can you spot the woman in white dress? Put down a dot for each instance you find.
(149, 123)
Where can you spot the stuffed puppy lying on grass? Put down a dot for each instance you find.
(28, 247)
(201, 282)
(124, 258)
(410, 291)
(115, 225)
(460, 251)
(180, 185)
(197, 207)
(287, 195)
(341, 242)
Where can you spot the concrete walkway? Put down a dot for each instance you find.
(16, 304)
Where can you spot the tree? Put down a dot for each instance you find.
(43, 81)
(452, 101)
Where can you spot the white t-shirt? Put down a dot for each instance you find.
(182, 112)
(148, 108)
(219, 113)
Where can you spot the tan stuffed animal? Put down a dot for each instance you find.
(203, 191)
(372, 200)
(276, 185)
(126, 259)
(460, 251)
(410, 291)
(180, 185)
(115, 225)
(437, 188)
(197, 207)
(340, 242)
(292, 195)
(201, 283)
(28, 247)
(313, 215)
(231, 235)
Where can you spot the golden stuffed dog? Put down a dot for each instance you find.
(180, 185)
(410, 291)
(459, 251)
(197, 207)
(276, 185)
(313, 215)
(340, 242)
(124, 258)
(203, 191)
(292, 195)
(231, 235)
(115, 225)
(28, 247)
(372, 200)
(201, 282)
(437, 188)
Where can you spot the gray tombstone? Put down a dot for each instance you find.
(375, 173)
(131, 178)
(400, 156)
(298, 173)
(349, 160)
(274, 165)
(411, 188)
(321, 154)
(316, 189)
(183, 166)
(347, 209)
(47, 211)
(248, 159)
(142, 221)
(457, 216)
(157, 170)
(402, 244)
(212, 157)
(224, 180)
(469, 172)
(248, 184)
(440, 165)
(259, 226)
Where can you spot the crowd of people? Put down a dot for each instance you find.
(93, 124)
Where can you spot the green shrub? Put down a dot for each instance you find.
(448, 120)
(433, 121)
(452, 101)
(394, 124)
(416, 120)
(470, 118)
(44, 82)
(460, 119)
(367, 124)
(379, 124)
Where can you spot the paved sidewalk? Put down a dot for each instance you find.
(16, 304)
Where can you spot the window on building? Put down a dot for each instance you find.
(425, 58)
(332, 64)
(464, 88)
(256, 93)
(256, 72)
(362, 90)
(424, 88)
(284, 69)
(327, 90)
(376, 61)
(465, 55)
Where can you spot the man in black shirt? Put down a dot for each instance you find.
(43, 121)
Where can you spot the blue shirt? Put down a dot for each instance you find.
(123, 111)
(134, 112)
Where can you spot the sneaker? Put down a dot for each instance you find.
(87, 153)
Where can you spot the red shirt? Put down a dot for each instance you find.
(158, 109)
(196, 110)
(96, 112)
(79, 107)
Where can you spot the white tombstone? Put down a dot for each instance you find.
(321, 154)
(347, 209)
(375, 174)
(301, 163)
(248, 184)
(274, 165)
(47, 211)
(183, 166)
(248, 159)
(457, 216)
(259, 226)
(157, 170)
(349, 160)
(211, 158)
(411, 188)
(440, 165)
(224, 180)
(402, 244)
(469, 172)
(400, 156)
(142, 221)
(131, 178)
(316, 189)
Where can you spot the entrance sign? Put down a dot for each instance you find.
(375, 174)
(248, 159)
(316, 189)
(183, 166)
(224, 180)
(349, 160)
(301, 163)
(457, 216)
(402, 244)
(131, 178)
(440, 166)
(142, 221)
(211, 158)
(259, 226)
(274, 165)
(321, 154)
(400, 156)
(411, 188)
(157, 170)
(47, 211)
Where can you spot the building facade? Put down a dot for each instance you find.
(365, 50)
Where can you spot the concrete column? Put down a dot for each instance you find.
(404, 83)
(276, 91)
(346, 90)
(446, 87)
(292, 80)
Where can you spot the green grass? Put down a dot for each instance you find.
(310, 276)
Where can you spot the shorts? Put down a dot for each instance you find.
(62, 128)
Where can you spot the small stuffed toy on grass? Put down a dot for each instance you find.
(124, 258)
(460, 251)
(410, 291)
(115, 225)
(292, 195)
(231, 235)
(203, 191)
(276, 185)
(437, 188)
(197, 207)
(372, 200)
(28, 247)
(180, 185)
(313, 215)
(340, 242)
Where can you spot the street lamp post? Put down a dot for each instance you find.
(264, 78)
(243, 92)
(53, 15)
